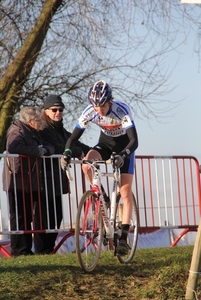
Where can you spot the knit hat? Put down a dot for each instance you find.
(53, 100)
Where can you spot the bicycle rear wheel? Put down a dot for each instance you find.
(88, 231)
(133, 230)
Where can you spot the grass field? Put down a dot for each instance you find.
(159, 273)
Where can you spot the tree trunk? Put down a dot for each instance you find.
(17, 73)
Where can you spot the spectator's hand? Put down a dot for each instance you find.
(65, 160)
(50, 149)
(118, 161)
(41, 151)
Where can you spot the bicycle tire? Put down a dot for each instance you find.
(88, 231)
(133, 231)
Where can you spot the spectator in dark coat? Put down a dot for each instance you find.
(24, 172)
(53, 131)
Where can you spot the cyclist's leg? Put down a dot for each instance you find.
(126, 194)
(126, 247)
(123, 248)
(92, 154)
(127, 172)
(100, 151)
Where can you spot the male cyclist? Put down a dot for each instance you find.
(119, 135)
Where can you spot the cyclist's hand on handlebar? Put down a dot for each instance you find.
(65, 160)
(118, 160)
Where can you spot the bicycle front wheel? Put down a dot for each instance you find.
(88, 231)
(133, 229)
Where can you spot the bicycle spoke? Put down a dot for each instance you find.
(88, 231)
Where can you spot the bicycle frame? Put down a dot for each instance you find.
(96, 188)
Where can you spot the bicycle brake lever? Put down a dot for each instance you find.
(68, 174)
(116, 175)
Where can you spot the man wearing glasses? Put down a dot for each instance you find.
(52, 130)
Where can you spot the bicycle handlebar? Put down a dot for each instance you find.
(92, 162)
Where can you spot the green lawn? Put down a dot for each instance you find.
(159, 273)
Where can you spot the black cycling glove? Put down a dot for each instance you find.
(66, 159)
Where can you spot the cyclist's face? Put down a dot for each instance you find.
(102, 110)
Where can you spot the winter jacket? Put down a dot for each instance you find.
(24, 140)
(55, 133)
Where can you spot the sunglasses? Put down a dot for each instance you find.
(56, 109)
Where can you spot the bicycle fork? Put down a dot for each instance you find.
(109, 227)
(113, 213)
(104, 213)
(110, 221)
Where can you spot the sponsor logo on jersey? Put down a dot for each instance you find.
(113, 121)
(83, 121)
(110, 127)
(120, 112)
(115, 132)
(126, 121)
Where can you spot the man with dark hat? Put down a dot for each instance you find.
(53, 131)
(53, 100)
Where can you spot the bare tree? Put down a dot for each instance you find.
(21, 55)
(55, 46)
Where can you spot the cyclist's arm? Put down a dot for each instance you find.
(76, 134)
(133, 141)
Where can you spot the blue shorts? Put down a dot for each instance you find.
(105, 152)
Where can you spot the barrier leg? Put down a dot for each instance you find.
(5, 252)
(69, 234)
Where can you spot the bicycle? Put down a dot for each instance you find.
(96, 225)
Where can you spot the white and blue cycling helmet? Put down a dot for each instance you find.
(100, 93)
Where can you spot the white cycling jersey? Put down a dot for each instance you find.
(115, 123)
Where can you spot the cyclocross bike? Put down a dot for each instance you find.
(98, 226)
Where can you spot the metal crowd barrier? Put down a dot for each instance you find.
(167, 190)
(168, 193)
(69, 201)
